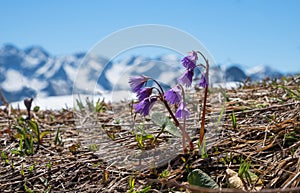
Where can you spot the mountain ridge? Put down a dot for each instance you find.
(32, 71)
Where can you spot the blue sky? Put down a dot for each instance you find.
(247, 32)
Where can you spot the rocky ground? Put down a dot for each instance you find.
(251, 131)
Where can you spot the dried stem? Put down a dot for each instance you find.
(202, 128)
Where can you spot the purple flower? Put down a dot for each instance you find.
(186, 78)
(144, 106)
(182, 112)
(144, 93)
(204, 80)
(173, 95)
(137, 82)
(189, 62)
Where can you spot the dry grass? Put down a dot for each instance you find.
(100, 152)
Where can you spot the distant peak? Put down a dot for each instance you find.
(10, 46)
(9, 49)
(36, 51)
(79, 54)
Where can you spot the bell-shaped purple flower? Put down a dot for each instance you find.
(182, 112)
(174, 95)
(204, 80)
(187, 78)
(144, 106)
(137, 82)
(144, 93)
(189, 62)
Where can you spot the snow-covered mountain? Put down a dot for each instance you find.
(34, 72)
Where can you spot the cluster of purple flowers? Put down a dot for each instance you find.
(190, 63)
(174, 96)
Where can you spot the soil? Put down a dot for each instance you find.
(110, 149)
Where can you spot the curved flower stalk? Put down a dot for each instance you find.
(204, 82)
(175, 96)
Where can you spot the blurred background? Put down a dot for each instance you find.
(43, 42)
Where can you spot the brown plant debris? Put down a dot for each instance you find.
(83, 151)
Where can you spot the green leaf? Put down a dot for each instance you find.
(15, 151)
(22, 170)
(171, 128)
(36, 108)
(42, 135)
(3, 155)
(21, 131)
(131, 182)
(160, 119)
(233, 119)
(145, 190)
(34, 126)
(199, 178)
(148, 136)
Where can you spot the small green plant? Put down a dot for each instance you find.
(25, 142)
(224, 94)
(141, 136)
(292, 137)
(249, 179)
(93, 147)
(36, 109)
(203, 149)
(22, 172)
(131, 184)
(233, 119)
(291, 93)
(27, 189)
(4, 157)
(49, 165)
(89, 104)
(58, 139)
(145, 190)
(100, 106)
(31, 168)
(105, 177)
(28, 134)
(79, 103)
(164, 174)
(243, 172)
(117, 121)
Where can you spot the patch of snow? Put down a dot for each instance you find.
(14, 81)
(54, 69)
(30, 62)
(170, 57)
(255, 69)
(69, 101)
(43, 70)
(114, 74)
(167, 76)
(227, 85)
(71, 71)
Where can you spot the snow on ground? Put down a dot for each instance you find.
(69, 101)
